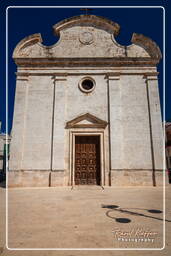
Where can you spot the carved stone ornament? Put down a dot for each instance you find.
(86, 38)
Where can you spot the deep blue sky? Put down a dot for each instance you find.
(26, 21)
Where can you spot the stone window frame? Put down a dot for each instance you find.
(81, 87)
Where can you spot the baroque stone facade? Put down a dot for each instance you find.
(87, 109)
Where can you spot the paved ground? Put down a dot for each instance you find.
(85, 218)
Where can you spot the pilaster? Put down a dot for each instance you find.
(19, 122)
(157, 139)
(115, 120)
(58, 132)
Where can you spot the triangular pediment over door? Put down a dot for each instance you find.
(86, 121)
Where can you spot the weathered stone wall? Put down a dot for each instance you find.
(79, 103)
(119, 99)
(18, 129)
(135, 123)
(157, 135)
(31, 135)
(38, 128)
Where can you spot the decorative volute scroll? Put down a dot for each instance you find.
(149, 45)
(86, 40)
(86, 121)
(26, 43)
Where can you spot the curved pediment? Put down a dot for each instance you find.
(86, 121)
(87, 20)
(86, 40)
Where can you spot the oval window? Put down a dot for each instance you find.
(87, 85)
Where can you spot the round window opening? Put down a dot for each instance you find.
(87, 85)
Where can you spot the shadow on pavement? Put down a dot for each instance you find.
(125, 210)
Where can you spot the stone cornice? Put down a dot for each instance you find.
(66, 62)
(63, 76)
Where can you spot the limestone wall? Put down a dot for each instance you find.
(135, 123)
(32, 124)
(18, 128)
(45, 103)
(79, 103)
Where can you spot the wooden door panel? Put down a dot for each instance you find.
(87, 160)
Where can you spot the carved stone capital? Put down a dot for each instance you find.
(59, 77)
(151, 76)
(22, 76)
(113, 76)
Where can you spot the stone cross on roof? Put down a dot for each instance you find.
(86, 10)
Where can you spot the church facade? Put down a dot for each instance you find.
(87, 110)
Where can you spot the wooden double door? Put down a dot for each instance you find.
(87, 160)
